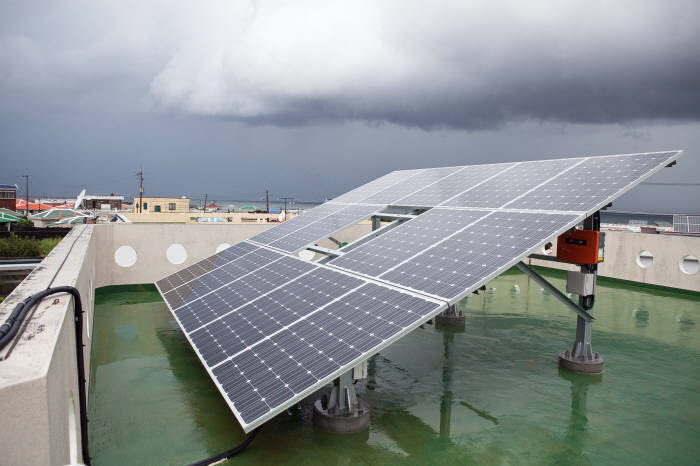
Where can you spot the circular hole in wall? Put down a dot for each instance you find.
(548, 249)
(645, 259)
(176, 253)
(689, 265)
(125, 256)
(222, 246)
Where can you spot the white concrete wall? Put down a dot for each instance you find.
(151, 243)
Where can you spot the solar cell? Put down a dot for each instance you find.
(205, 265)
(373, 187)
(296, 223)
(402, 189)
(388, 250)
(593, 182)
(219, 277)
(475, 254)
(324, 228)
(450, 186)
(223, 300)
(511, 183)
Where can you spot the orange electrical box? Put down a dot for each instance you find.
(580, 247)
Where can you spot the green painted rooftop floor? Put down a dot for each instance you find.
(490, 395)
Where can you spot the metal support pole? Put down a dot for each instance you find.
(582, 358)
(343, 412)
(582, 313)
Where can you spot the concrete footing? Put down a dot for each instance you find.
(346, 422)
(581, 365)
(456, 321)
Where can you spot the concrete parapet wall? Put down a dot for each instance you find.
(151, 242)
(186, 217)
(38, 376)
(623, 248)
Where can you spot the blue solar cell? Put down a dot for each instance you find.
(511, 183)
(476, 253)
(388, 250)
(205, 265)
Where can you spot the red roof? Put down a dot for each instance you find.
(212, 205)
(20, 204)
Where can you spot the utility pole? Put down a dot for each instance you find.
(140, 175)
(204, 207)
(285, 199)
(26, 195)
(267, 201)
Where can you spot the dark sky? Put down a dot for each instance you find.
(311, 98)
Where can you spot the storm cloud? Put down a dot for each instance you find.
(311, 98)
(465, 65)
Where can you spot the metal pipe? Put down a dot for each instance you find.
(557, 294)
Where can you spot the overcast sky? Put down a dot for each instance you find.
(312, 98)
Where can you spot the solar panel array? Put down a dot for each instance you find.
(272, 333)
(686, 223)
(271, 328)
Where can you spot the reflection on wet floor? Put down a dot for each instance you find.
(490, 394)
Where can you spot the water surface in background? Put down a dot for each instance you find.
(490, 395)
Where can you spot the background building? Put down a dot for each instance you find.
(8, 196)
(102, 202)
(162, 204)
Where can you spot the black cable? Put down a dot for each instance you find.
(228, 454)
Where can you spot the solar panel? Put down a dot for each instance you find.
(284, 367)
(296, 223)
(475, 254)
(205, 265)
(448, 187)
(593, 182)
(686, 223)
(271, 329)
(271, 351)
(402, 189)
(373, 187)
(511, 183)
(324, 228)
(221, 301)
(403, 242)
(221, 276)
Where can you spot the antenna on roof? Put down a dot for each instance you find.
(79, 200)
